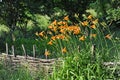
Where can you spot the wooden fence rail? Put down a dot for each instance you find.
(34, 64)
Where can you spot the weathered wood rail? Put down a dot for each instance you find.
(14, 61)
(31, 63)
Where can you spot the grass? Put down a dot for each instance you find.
(19, 74)
(83, 66)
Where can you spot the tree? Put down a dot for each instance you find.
(13, 14)
(108, 10)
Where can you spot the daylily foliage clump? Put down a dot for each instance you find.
(65, 30)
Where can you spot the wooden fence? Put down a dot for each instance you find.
(35, 64)
(31, 63)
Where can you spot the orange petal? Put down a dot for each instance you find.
(50, 42)
(66, 18)
(108, 36)
(41, 34)
(64, 50)
(93, 26)
(90, 17)
(84, 23)
(47, 53)
(82, 38)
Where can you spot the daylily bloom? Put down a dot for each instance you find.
(47, 53)
(60, 23)
(95, 21)
(53, 37)
(93, 26)
(70, 28)
(76, 32)
(89, 17)
(84, 23)
(54, 29)
(82, 38)
(62, 27)
(62, 31)
(108, 36)
(41, 34)
(50, 42)
(50, 27)
(64, 50)
(66, 18)
(64, 23)
(54, 22)
(60, 37)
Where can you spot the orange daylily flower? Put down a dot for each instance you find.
(60, 37)
(70, 28)
(64, 23)
(82, 38)
(95, 21)
(62, 31)
(93, 26)
(53, 37)
(76, 32)
(64, 50)
(66, 18)
(47, 53)
(60, 23)
(50, 27)
(54, 29)
(84, 23)
(54, 22)
(62, 27)
(108, 36)
(50, 42)
(74, 29)
(57, 37)
(89, 17)
(41, 34)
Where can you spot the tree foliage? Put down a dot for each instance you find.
(108, 10)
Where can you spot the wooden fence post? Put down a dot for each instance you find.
(13, 51)
(24, 51)
(78, 48)
(34, 51)
(46, 53)
(6, 48)
(93, 55)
